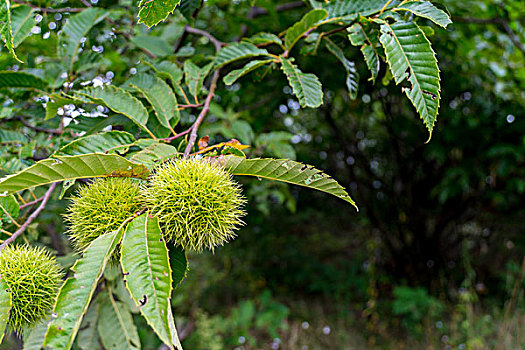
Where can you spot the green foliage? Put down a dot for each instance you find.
(5, 307)
(120, 335)
(32, 277)
(308, 22)
(62, 168)
(415, 305)
(306, 86)
(6, 27)
(146, 267)
(76, 292)
(286, 171)
(410, 57)
(152, 12)
(100, 208)
(198, 204)
(21, 80)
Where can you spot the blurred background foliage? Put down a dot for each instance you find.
(434, 258)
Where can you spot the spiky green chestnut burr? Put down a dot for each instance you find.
(198, 203)
(32, 276)
(101, 207)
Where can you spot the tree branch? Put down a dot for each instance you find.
(28, 204)
(195, 127)
(218, 44)
(31, 217)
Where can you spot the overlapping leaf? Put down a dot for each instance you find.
(194, 76)
(104, 142)
(34, 338)
(368, 40)
(238, 51)
(349, 10)
(287, 171)
(9, 136)
(87, 338)
(9, 210)
(6, 32)
(427, 10)
(115, 325)
(62, 168)
(152, 12)
(160, 96)
(22, 21)
(294, 33)
(154, 153)
(9, 79)
(119, 101)
(232, 77)
(74, 31)
(306, 86)
(352, 77)
(145, 263)
(76, 292)
(5, 307)
(411, 57)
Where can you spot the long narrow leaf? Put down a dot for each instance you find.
(306, 86)
(427, 10)
(76, 293)
(74, 31)
(115, 325)
(5, 307)
(411, 57)
(287, 171)
(145, 263)
(160, 96)
(62, 168)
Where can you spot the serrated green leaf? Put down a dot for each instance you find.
(238, 51)
(160, 96)
(194, 76)
(115, 325)
(6, 32)
(154, 153)
(9, 209)
(231, 77)
(87, 338)
(349, 10)
(352, 77)
(265, 39)
(34, 338)
(22, 80)
(427, 10)
(22, 21)
(75, 294)
(153, 44)
(5, 307)
(8, 136)
(368, 40)
(76, 28)
(294, 33)
(152, 12)
(145, 263)
(105, 142)
(57, 101)
(62, 168)
(167, 70)
(286, 171)
(119, 101)
(306, 86)
(411, 57)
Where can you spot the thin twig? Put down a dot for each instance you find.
(36, 128)
(28, 204)
(200, 118)
(176, 136)
(196, 105)
(218, 44)
(31, 217)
